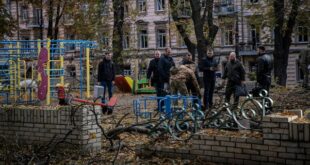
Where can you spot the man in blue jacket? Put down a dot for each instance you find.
(164, 65)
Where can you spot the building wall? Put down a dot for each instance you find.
(151, 19)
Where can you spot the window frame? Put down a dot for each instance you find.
(161, 38)
(37, 16)
(142, 9)
(227, 30)
(302, 37)
(126, 41)
(160, 5)
(24, 13)
(104, 9)
(143, 38)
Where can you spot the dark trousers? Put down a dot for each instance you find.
(106, 84)
(208, 93)
(161, 92)
(230, 89)
(191, 90)
(265, 82)
(157, 89)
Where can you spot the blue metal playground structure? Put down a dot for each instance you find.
(170, 103)
(17, 81)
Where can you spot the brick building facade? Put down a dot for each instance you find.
(148, 27)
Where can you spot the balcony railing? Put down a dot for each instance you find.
(225, 10)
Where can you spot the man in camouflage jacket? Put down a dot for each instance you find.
(181, 75)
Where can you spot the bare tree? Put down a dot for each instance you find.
(117, 41)
(283, 37)
(201, 19)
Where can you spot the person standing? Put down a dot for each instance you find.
(264, 67)
(209, 67)
(164, 65)
(152, 72)
(106, 74)
(235, 74)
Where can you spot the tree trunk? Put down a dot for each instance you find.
(117, 43)
(191, 47)
(50, 20)
(199, 21)
(56, 28)
(283, 38)
(198, 27)
(41, 20)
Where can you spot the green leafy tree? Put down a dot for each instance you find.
(7, 22)
(281, 16)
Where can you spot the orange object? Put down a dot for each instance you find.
(61, 92)
(111, 102)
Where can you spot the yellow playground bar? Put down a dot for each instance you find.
(28, 67)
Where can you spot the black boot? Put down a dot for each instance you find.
(104, 110)
(110, 111)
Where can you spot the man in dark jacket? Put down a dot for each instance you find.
(152, 72)
(264, 68)
(164, 65)
(106, 74)
(235, 73)
(209, 67)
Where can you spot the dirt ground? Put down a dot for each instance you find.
(284, 98)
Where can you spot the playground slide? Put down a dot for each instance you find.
(124, 83)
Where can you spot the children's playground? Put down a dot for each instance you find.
(31, 69)
(31, 72)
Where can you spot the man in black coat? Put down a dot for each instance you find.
(164, 65)
(106, 74)
(209, 67)
(264, 68)
(235, 74)
(152, 72)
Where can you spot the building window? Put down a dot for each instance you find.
(142, 6)
(302, 34)
(8, 5)
(254, 1)
(126, 40)
(37, 16)
(184, 8)
(181, 42)
(203, 3)
(24, 43)
(252, 66)
(104, 8)
(105, 41)
(24, 13)
(85, 7)
(228, 37)
(255, 38)
(160, 5)
(126, 9)
(143, 39)
(161, 38)
(69, 46)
